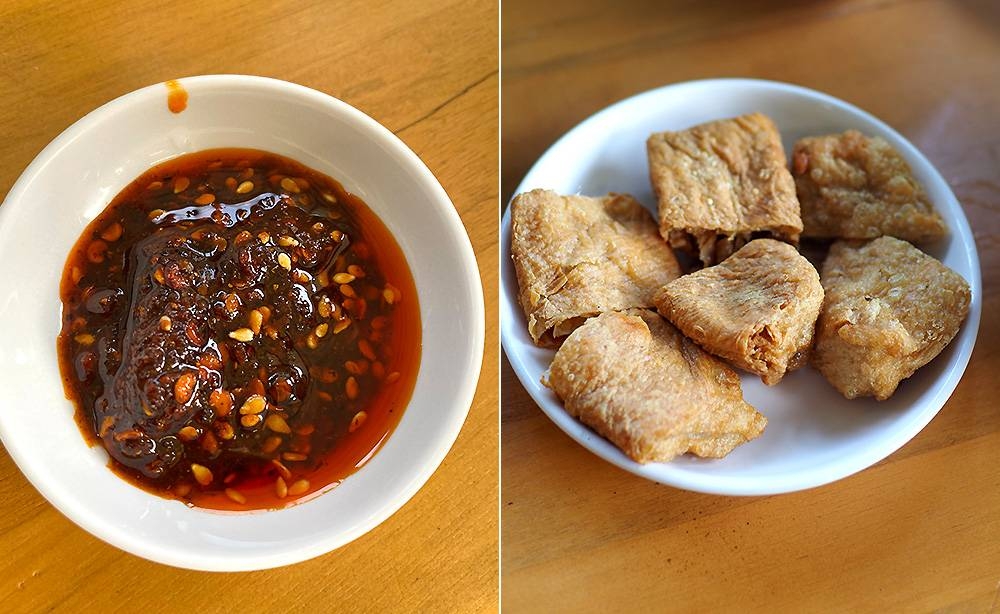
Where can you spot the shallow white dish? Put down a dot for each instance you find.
(79, 173)
(814, 435)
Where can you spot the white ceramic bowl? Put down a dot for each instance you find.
(814, 435)
(79, 173)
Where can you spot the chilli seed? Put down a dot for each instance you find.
(236, 496)
(256, 319)
(271, 444)
(242, 334)
(351, 388)
(277, 424)
(298, 488)
(254, 404)
(356, 422)
(202, 474)
(282, 469)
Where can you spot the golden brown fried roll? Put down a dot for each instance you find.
(721, 184)
(637, 381)
(889, 310)
(578, 256)
(757, 309)
(852, 186)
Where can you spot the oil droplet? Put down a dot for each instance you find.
(177, 96)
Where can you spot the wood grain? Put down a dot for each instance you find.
(920, 531)
(427, 71)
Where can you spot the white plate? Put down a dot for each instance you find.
(814, 435)
(78, 174)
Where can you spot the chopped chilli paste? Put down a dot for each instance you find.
(238, 331)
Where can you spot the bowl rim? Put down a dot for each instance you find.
(723, 485)
(148, 547)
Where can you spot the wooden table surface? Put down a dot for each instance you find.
(428, 71)
(920, 531)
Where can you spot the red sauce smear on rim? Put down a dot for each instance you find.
(239, 331)
(177, 96)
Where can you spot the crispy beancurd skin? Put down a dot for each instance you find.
(757, 309)
(637, 381)
(889, 310)
(851, 186)
(721, 184)
(578, 256)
